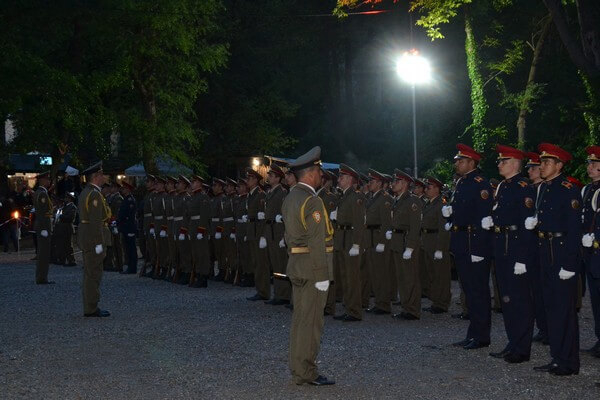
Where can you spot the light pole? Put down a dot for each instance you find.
(414, 69)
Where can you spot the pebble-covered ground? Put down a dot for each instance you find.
(166, 341)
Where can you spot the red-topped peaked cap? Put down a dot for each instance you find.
(347, 170)
(593, 153)
(465, 151)
(506, 152)
(400, 175)
(433, 181)
(376, 175)
(534, 159)
(549, 150)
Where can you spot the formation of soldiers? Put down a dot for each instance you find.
(394, 238)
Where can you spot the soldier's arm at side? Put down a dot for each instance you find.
(573, 239)
(358, 218)
(414, 231)
(443, 236)
(315, 226)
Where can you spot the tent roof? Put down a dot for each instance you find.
(31, 163)
(165, 166)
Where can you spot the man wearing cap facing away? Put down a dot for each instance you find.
(93, 236)
(198, 209)
(181, 269)
(559, 237)
(43, 228)
(349, 230)
(63, 231)
(308, 233)
(591, 238)
(470, 206)
(149, 227)
(160, 228)
(217, 227)
(242, 277)
(513, 204)
(127, 225)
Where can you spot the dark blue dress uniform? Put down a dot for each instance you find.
(559, 240)
(127, 225)
(514, 202)
(471, 202)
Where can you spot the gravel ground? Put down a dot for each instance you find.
(166, 341)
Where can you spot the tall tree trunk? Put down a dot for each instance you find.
(522, 119)
(149, 106)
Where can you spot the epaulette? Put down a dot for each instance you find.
(478, 179)
(567, 184)
(523, 184)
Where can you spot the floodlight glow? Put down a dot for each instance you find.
(413, 68)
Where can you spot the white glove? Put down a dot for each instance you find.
(260, 215)
(44, 233)
(244, 218)
(519, 268)
(152, 231)
(216, 268)
(438, 255)
(407, 253)
(446, 211)
(282, 243)
(388, 235)
(163, 234)
(262, 243)
(322, 286)
(354, 251)
(218, 235)
(115, 231)
(245, 238)
(333, 215)
(181, 236)
(564, 274)
(588, 240)
(476, 258)
(531, 223)
(199, 236)
(131, 235)
(232, 236)
(278, 218)
(98, 249)
(448, 226)
(487, 223)
(379, 248)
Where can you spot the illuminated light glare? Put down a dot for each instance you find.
(16, 215)
(413, 68)
(255, 162)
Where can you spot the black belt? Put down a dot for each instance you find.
(269, 221)
(252, 219)
(373, 227)
(345, 227)
(425, 230)
(505, 229)
(465, 228)
(399, 230)
(550, 235)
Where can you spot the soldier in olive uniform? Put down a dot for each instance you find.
(109, 261)
(161, 228)
(181, 221)
(242, 274)
(256, 239)
(127, 225)
(378, 222)
(170, 199)
(229, 249)
(198, 209)
(217, 229)
(43, 228)
(148, 228)
(404, 242)
(63, 231)
(274, 231)
(330, 200)
(435, 243)
(115, 204)
(307, 230)
(349, 229)
(93, 236)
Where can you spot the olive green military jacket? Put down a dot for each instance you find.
(43, 210)
(434, 235)
(148, 216)
(216, 214)
(239, 210)
(329, 199)
(274, 200)
(68, 214)
(255, 203)
(378, 218)
(115, 203)
(159, 212)
(306, 226)
(181, 218)
(198, 209)
(94, 214)
(406, 222)
(227, 220)
(170, 212)
(350, 225)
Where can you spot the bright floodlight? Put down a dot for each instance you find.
(413, 68)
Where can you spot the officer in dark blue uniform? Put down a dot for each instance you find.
(127, 225)
(471, 203)
(513, 204)
(559, 239)
(591, 238)
(533, 267)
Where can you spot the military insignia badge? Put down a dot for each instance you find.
(485, 194)
(528, 202)
(359, 202)
(316, 216)
(575, 204)
(478, 179)
(414, 207)
(387, 204)
(43, 199)
(95, 203)
(523, 184)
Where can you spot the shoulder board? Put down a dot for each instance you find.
(567, 184)
(478, 179)
(523, 184)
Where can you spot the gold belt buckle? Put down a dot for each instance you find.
(596, 244)
(497, 229)
(455, 228)
(541, 235)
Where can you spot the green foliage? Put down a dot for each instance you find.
(528, 97)
(435, 13)
(442, 170)
(513, 58)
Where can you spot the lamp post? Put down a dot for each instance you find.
(414, 69)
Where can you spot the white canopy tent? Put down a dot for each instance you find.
(165, 166)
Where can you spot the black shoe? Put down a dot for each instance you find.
(184, 278)
(462, 343)
(563, 371)
(405, 316)
(277, 302)
(377, 311)
(435, 310)
(256, 297)
(201, 282)
(98, 313)
(350, 318)
(512, 358)
(327, 313)
(545, 367)
(539, 337)
(397, 303)
(461, 316)
(500, 354)
(321, 381)
(596, 353)
(45, 283)
(497, 310)
(289, 306)
(340, 317)
(131, 271)
(71, 265)
(476, 344)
